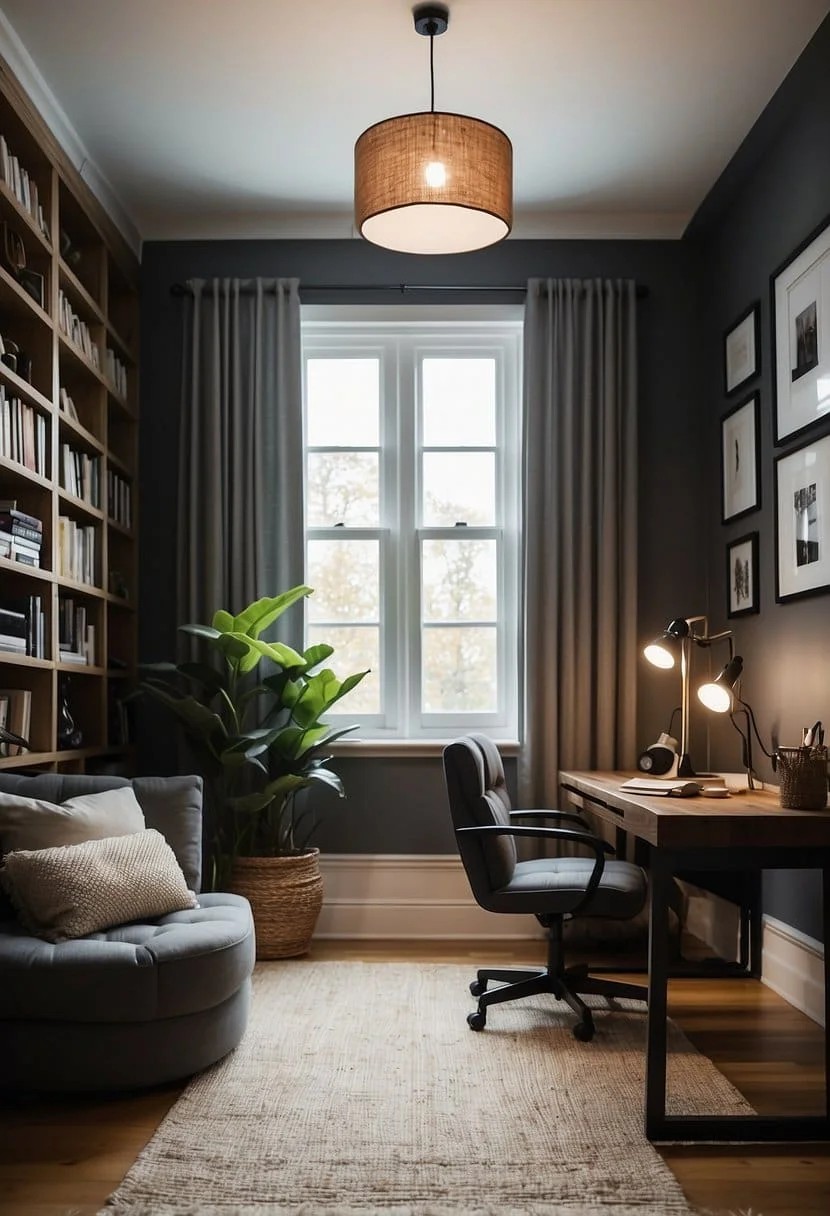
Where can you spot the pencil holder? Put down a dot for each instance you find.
(803, 772)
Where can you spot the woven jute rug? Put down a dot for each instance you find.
(359, 1088)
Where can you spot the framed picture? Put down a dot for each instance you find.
(802, 514)
(801, 337)
(742, 349)
(740, 469)
(742, 575)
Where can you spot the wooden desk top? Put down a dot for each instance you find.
(742, 820)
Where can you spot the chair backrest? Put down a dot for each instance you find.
(171, 805)
(478, 796)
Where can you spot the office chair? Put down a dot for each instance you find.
(553, 889)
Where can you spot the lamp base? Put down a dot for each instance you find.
(685, 768)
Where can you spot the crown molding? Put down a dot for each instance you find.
(339, 225)
(43, 99)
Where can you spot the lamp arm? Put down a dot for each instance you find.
(709, 638)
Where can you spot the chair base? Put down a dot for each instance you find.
(566, 984)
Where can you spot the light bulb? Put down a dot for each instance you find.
(435, 174)
(659, 655)
(715, 697)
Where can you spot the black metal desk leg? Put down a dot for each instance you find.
(660, 879)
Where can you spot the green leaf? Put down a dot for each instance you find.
(324, 776)
(201, 631)
(263, 612)
(277, 652)
(222, 620)
(235, 649)
(317, 654)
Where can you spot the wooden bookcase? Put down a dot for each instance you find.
(75, 338)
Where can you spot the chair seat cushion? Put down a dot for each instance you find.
(621, 892)
(159, 968)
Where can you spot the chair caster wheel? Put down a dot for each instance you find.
(476, 987)
(584, 1031)
(477, 1020)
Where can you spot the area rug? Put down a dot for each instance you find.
(359, 1089)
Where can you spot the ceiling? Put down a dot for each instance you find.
(219, 119)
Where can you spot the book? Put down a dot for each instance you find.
(19, 716)
(673, 788)
(708, 786)
(12, 622)
(10, 509)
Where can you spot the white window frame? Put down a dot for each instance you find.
(401, 337)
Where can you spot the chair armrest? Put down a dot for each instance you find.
(598, 846)
(549, 815)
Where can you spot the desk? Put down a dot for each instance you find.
(744, 831)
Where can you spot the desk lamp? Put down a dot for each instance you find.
(724, 694)
(678, 637)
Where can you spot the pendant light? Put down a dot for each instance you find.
(433, 182)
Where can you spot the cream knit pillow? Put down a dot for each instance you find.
(72, 890)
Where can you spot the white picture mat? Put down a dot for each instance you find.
(744, 552)
(741, 356)
(808, 466)
(740, 460)
(805, 281)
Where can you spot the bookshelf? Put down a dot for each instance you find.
(68, 455)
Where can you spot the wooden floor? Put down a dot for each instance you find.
(63, 1156)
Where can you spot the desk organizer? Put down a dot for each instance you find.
(803, 772)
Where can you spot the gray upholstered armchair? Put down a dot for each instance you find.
(550, 888)
(136, 1004)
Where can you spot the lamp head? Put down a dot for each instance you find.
(717, 695)
(662, 650)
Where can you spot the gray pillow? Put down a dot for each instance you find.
(32, 823)
(72, 890)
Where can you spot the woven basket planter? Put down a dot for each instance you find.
(286, 894)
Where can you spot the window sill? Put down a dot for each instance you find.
(372, 748)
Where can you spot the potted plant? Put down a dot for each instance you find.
(259, 740)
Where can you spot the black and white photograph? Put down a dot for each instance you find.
(802, 491)
(801, 338)
(742, 349)
(806, 342)
(742, 575)
(806, 525)
(740, 480)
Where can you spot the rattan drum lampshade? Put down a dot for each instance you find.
(433, 182)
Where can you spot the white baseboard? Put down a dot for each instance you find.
(793, 966)
(385, 896)
(408, 896)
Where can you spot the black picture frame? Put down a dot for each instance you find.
(742, 349)
(742, 597)
(800, 313)
(802, 520)
(741, 459)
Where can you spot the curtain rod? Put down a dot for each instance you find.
(182, 289)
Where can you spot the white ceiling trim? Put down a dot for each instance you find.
(52, 113)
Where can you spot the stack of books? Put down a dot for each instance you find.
(22, 626)
(21, 534)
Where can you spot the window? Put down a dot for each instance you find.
(412, 482)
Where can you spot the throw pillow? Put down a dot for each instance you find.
(32, 823)
(73, 890)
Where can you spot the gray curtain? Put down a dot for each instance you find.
(240, 528)
(579, 531)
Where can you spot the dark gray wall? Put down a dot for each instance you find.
(774, 193)
(399, 805)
